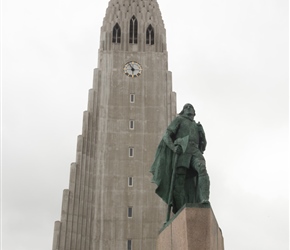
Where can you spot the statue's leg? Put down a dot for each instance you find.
(190, 186)
(203, 179)
(179, 188)
(203, 188)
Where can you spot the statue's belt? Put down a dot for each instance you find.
(186, 143)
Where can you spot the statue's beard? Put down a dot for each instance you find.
(190, 115)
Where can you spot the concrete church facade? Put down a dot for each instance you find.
(110, 202)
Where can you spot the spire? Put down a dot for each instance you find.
(142, 14)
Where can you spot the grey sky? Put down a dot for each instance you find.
(229, 58)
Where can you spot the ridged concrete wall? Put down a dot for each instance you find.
(94, 211)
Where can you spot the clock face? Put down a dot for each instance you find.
(132, 69)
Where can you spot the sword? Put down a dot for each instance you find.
(183, 143)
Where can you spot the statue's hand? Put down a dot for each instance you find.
(178, 149)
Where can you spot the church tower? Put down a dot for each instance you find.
(110, 202)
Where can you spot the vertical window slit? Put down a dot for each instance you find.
(132, 98)
(131, 124)
(150, 35)
(130, 181)
(130, 212)
(116, 34)
(129, 245)
(133, 33)
(131, 152)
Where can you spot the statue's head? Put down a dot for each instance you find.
(188, 110)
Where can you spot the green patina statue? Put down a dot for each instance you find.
(179, 167)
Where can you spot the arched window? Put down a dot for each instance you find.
(150, 35)
(133, 34)
(116, 34)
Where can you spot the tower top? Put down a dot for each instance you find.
(134, 22)
(146, 10)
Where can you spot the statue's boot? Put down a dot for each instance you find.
(179, 192)
(203, 184)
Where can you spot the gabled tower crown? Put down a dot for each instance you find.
(133, 25)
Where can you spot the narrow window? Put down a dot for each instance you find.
(132, 98)
(150, 35)
(133, 33)
(130, 212)
(130, 181)
(129, 245)
(131, 124)
(131, 152)
(116, 34)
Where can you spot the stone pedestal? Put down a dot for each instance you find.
(194, 227)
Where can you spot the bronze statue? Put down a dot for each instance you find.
(179, 167)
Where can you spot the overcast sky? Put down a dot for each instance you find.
(229, 58)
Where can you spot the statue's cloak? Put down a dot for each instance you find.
(162, 170)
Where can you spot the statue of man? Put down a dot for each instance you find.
(184, 141)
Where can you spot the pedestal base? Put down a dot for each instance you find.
(194, 227)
